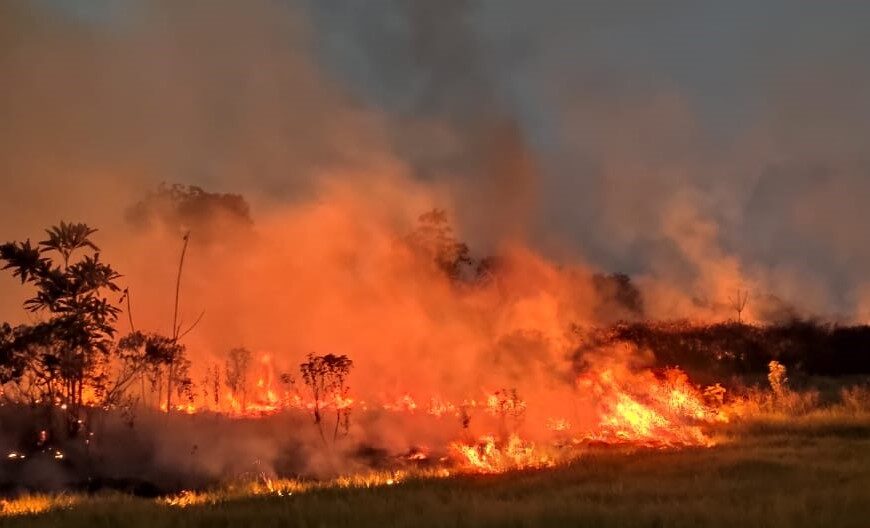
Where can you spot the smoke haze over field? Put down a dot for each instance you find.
(698, 147)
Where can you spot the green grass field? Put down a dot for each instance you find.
(790, 474)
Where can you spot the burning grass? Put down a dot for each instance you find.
(37, 503)
(806, 476)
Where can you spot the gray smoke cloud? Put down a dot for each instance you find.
(660, 140)
(752, 116)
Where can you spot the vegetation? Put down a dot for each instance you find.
(741, 352)
(53, 361)
(236, 372)
(160, 360)
(187, 207)
(69, 362)
(791, 456)
(434, 239)
(325, 377)
(798, 476)
(618, 297)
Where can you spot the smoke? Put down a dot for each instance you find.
(578, 132)
(563, 140)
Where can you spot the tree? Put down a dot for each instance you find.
(62, 354)
(434, 239)
(213, 216)
(618, 297)
(237, 368)
(489, 268)
(161, 358)
(325, 378)
(13, 361)
(155, 358)
(507, 405)
(738, 303)
(213, 377)
(174, 360)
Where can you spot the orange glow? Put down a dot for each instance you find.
(490, 372)
(612, 405)
(649, 410)
(490, 456)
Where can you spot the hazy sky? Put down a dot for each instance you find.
(653, 135)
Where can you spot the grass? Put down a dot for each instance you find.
(764, 475)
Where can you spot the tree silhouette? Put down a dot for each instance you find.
(738, 303)
(63, 353)
(618, 297)
(171, 364)
(237, 368)
(434, 239)
(325, 378)
(152, 357)
(213, 216)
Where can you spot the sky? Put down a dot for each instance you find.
(678, 140)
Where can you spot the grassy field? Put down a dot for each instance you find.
(774, 474)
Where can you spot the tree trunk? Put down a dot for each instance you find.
(169, 387)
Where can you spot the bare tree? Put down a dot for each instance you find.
(175, 328)
(178, 367)
(738, 303)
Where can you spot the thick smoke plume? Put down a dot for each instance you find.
(340, 130)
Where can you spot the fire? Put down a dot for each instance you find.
(647, 410)
(490, 456)
(636, 409)
(33, 504)
(558, 425)
(403, 403)
(612, 405)
(187, 498)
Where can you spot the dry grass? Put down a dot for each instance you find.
(763, 474)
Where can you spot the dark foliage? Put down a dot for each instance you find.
(619, 298)
(189, 208)
(325, 377)
(726, 350)
(155, 358)
(53, 360)
(434, 239)
(237, 366)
